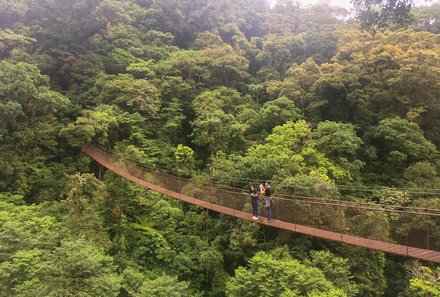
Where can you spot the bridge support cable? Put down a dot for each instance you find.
(341, 223)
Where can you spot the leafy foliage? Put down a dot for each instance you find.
(222, 91)
(269, 276)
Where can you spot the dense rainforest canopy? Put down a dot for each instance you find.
(230, 91)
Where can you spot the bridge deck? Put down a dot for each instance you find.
(423, 254)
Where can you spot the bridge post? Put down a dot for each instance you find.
(427, 229)
(340, 220)
(407, 243)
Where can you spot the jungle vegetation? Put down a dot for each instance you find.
(226, 90)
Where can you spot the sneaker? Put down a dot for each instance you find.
(254, 218)
(266, 221)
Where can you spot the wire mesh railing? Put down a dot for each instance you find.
(414, 227)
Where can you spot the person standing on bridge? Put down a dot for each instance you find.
(261, 193)
(268, 201)
(262, 189)
(254, 202)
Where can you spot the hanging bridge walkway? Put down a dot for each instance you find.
(406, 231)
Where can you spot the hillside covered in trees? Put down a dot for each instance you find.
(226, 91)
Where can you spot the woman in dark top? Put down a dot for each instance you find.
(268, 201)
(254, 202)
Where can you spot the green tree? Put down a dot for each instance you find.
(289, 151)
(25, 228)
(85, 202)
(277, 112)
(299, 79)
(9, 41)
(401, 143)
(27, 235)
(215, 125)
(377, 15)
(173, 117)
(322, 46)
(184, 159)
(141, 69)
(279, 52)
(337, 139)
(118, 60)
(279, 277)
(336, 269)
(76, 268)
(424, 281)
(109, 13)
(313, 185)
(211, 66)
(339, 95)
(11, 113)
(340, 143)
(132, 95)
(191, 66)
(423, 175)
(24, 84)
(208, 40)
(165, 286)
(96, 125)
(367, 267)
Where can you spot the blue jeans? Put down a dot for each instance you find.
(254, 203)
(269, 213)
(268, 206)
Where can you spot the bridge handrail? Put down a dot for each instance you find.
(306, 199)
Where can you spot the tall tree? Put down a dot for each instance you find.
(379, 14)
(269, 276)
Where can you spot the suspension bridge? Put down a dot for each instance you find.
(406, 231)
